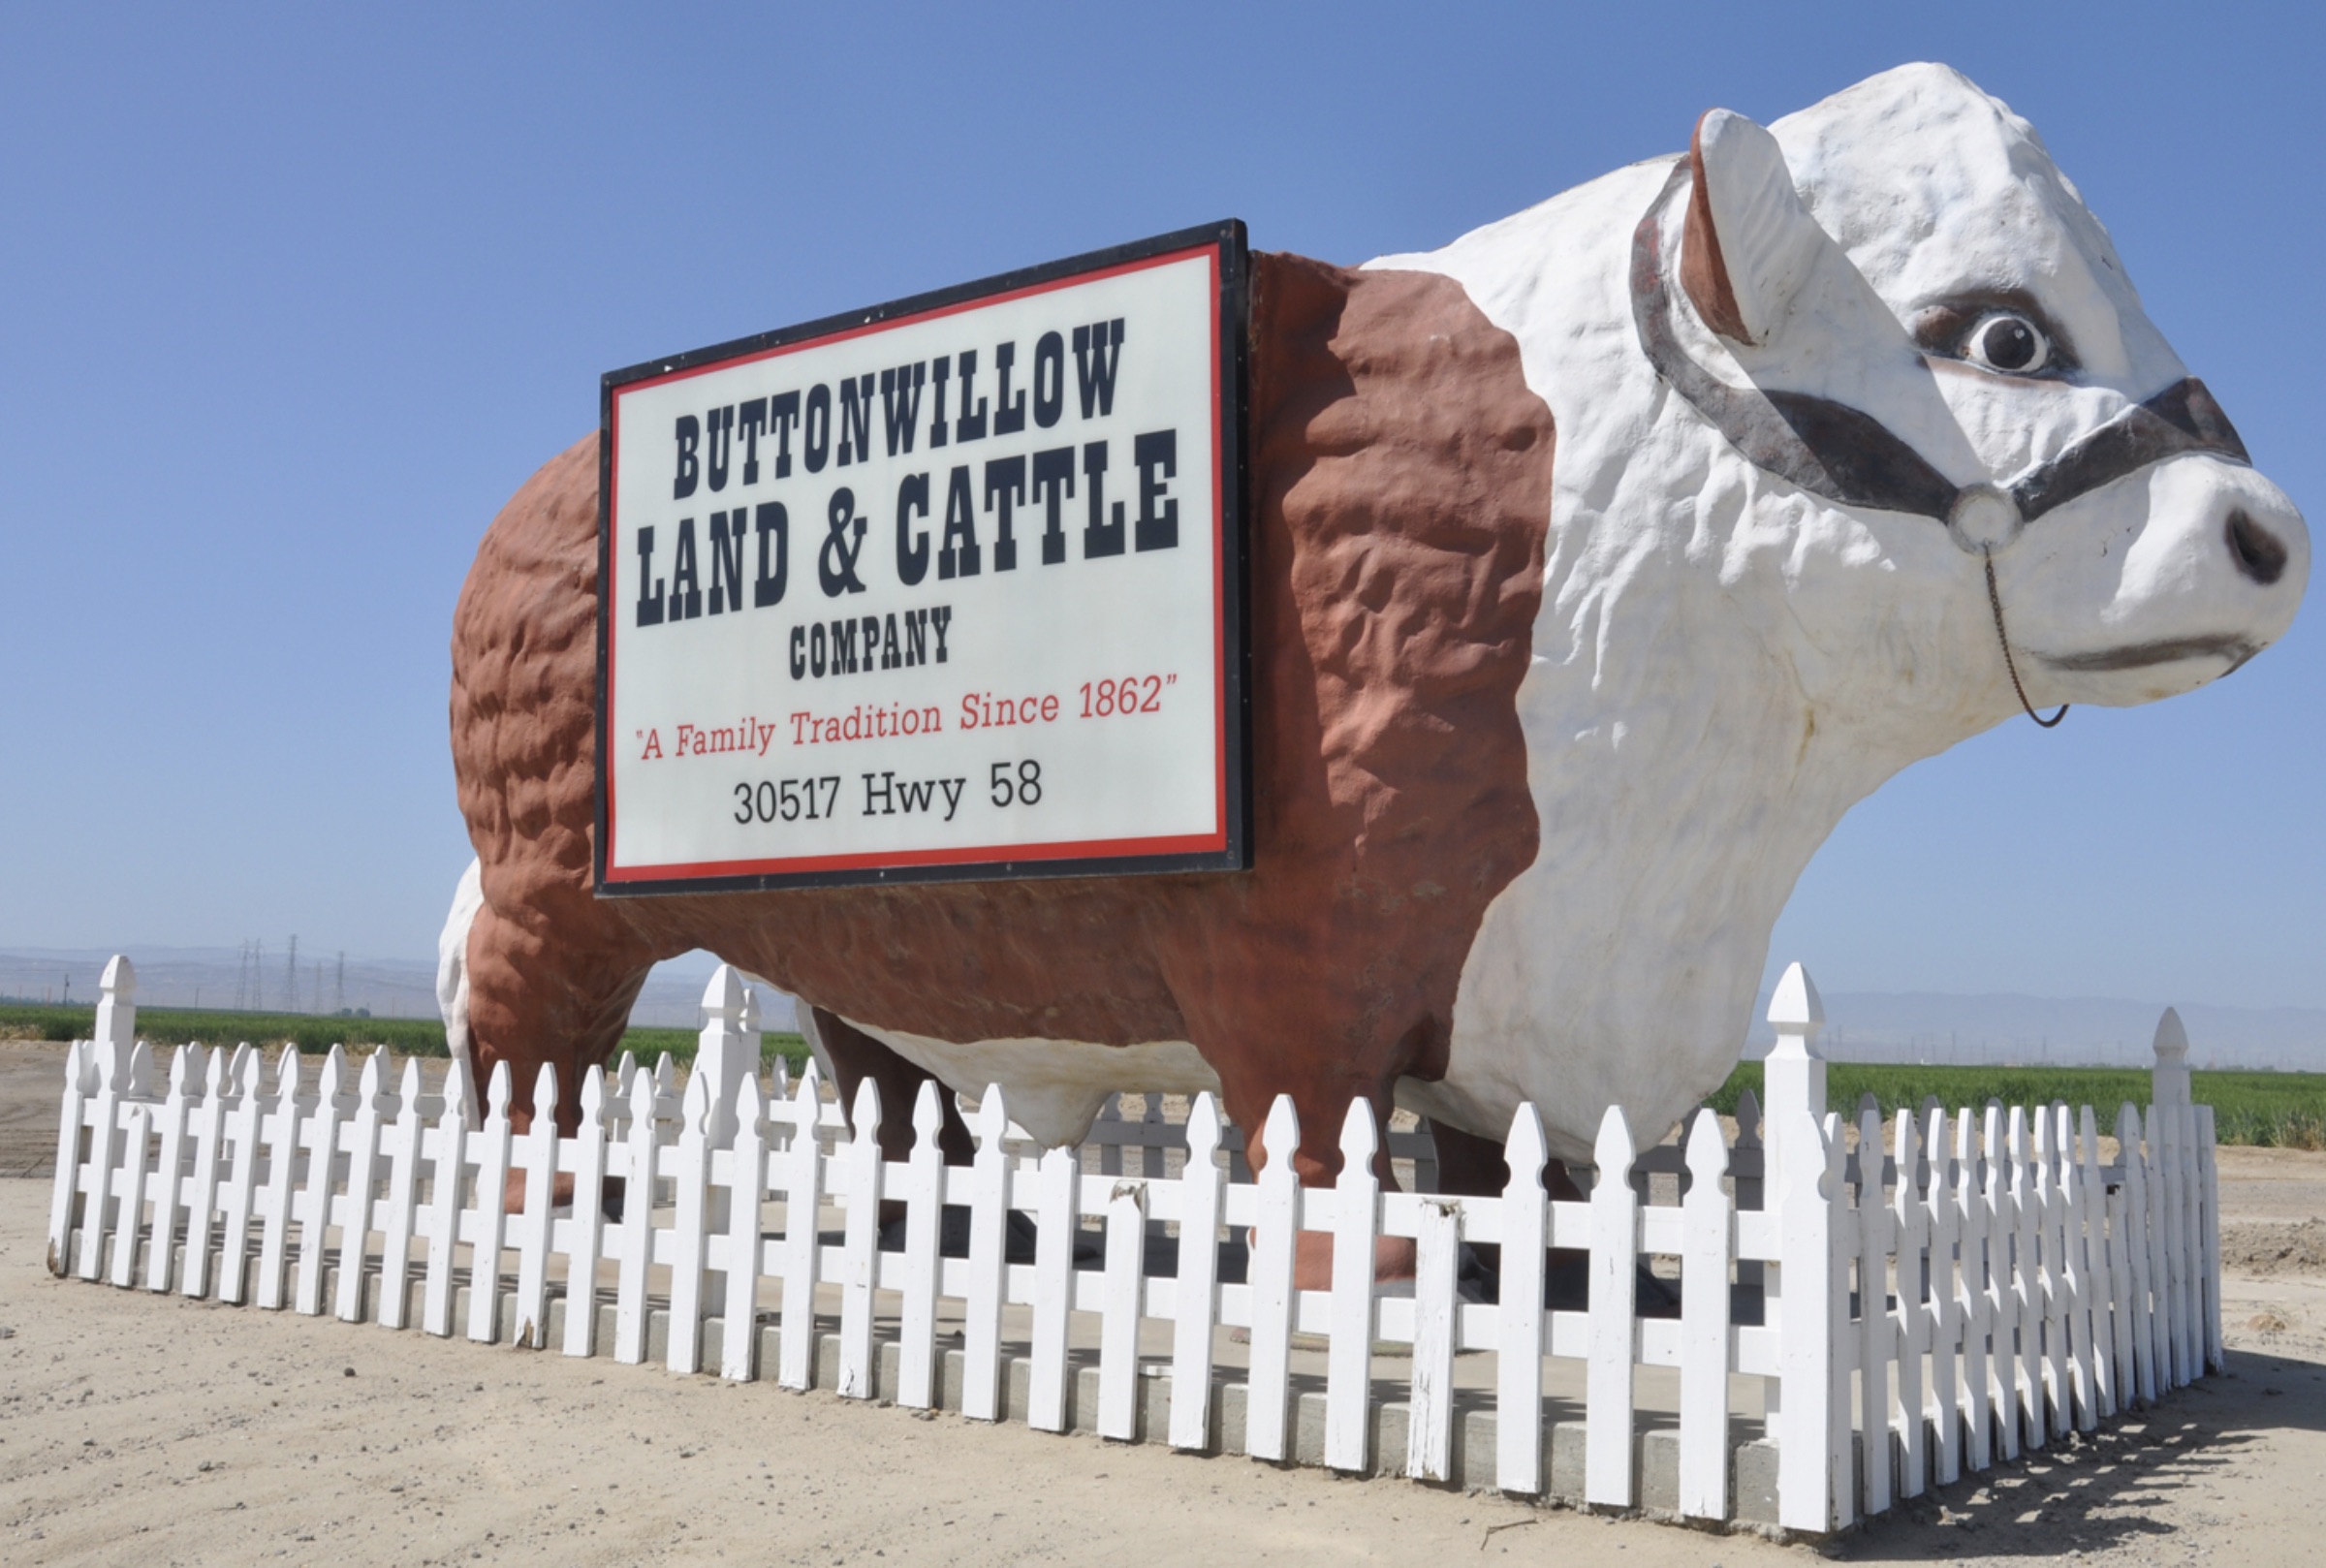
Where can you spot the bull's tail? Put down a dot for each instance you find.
(452, 960)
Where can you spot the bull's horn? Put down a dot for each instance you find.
(1750, 244)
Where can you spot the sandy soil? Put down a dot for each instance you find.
(148, 1429)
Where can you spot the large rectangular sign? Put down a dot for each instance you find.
(949, 588)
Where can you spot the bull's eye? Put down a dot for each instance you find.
(2007, 341)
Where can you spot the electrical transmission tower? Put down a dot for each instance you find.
(339, 985)
(290, 977)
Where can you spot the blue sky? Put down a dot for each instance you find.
(297, 297)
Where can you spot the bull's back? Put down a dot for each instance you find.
(1400, 482)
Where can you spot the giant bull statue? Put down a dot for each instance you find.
(1863, 442)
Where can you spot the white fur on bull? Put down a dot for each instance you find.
(1726, 660)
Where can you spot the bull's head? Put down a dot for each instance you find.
(1898, 304)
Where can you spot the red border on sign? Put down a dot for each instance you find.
(978, 854)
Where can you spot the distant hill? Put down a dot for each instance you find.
(384, 988)
(2083, 1031)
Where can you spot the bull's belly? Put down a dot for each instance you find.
(1052, 1088)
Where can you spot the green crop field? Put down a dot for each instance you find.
(315, 1035)
(2269, 1109)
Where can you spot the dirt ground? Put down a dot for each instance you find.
(146, 1429)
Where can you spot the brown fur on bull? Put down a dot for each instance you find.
(1400, 488)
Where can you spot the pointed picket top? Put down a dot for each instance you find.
(992, 1123)
(694, 1111)
(666, 1074)
(408, 1086)
(1708, 1152)
(116, 1006)
(245, 1053)
(183, 1069)
(1359, 1138)
(545, 1093)
(1525, 1150)
(641, 1100)
(780, 1088)
(805, 1098)
(1935, 1121)
(866, 1116)
(726, 998)
(1796, 1011)
(499, 1092)
(214, 1074)
(2127, 1130)
(1614, 1150)
(288, 1071)
(928, 1116)
(81, 1066)
(334, 1074)
(1203, 1129)
(368, 1082)
(119, 981)
(593, 1096)
(2172, 1039)
(623, 1070)
(1749, 1118)
(1280, 1137)
(458, 1092)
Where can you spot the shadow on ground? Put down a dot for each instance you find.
(2134, 1481)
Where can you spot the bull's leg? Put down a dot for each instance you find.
(561, 996)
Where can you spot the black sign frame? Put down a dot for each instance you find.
(1229, 239)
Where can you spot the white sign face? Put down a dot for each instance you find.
(948, 589)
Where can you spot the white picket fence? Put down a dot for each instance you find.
(1951, 1291)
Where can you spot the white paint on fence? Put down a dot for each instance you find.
(1962, 1285)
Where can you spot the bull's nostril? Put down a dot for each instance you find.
(2258, 552)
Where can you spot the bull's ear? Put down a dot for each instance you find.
(1750, 243)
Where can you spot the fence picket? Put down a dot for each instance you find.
(1814, 1490)
(638, 1221)
(129, 1193)
(243, 1187)
(1947, 1330)
(746, 1185)
(169, 1130)
(537, 1222)
(988, 1262)
(1909, 1223)
(2187, 1295)
(1708, 1232)
(802, 1166)
(586, 1231)
(1195, 1301)
(321, 1136)
(1349, 1357)
(361, 1140)
(447, 1176)
(1520, 1318)
(1608, 1478)
(491, 1216)
(1058, 1186)
(2026, 1285)
(1275, 1245)
(2142, 1324)
(105, 1152)
(208, 1132)
(2083, 1375)
(859, 1264)
(924, 1193)
(396, 1224)
(282, 1162)
(1877, 1334)
(690, 1227)
(2052, 1406)
(1436, 1307)
(73, 1121)
(2209, 1269)
(1119, 1321)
